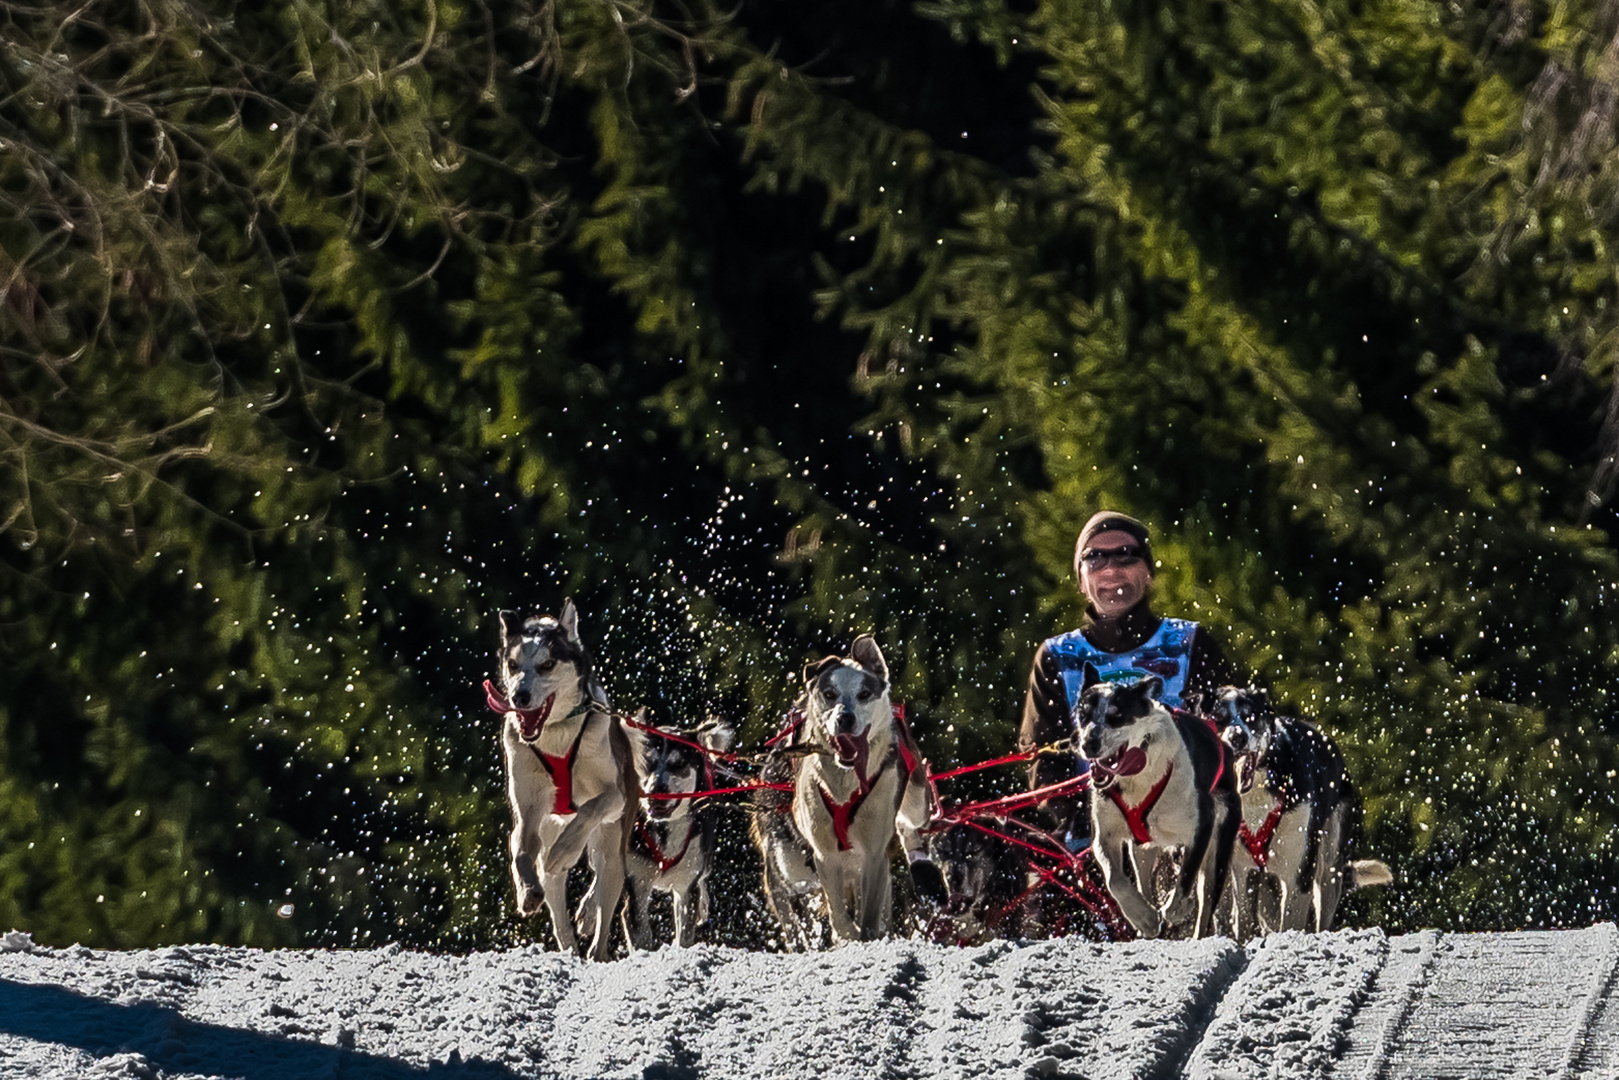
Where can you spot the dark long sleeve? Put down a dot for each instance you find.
(1047, 719)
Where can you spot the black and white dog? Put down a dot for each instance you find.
(1161, 786)
(672, 847)
(986, 886)
(570, 774)
(857, 779)
(1300, 812)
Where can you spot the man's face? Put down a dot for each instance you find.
(1110, 578)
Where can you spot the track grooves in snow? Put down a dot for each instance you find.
(1594, 1042)
(1289, 1012)
(1500, 1004)
(1407, 963)
(1355, 1004)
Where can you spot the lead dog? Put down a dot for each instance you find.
(570, 774)
(1299, 813)
(672, 846)
(857, 779)
(1161, 786)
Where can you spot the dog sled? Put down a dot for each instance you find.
(1031, 883)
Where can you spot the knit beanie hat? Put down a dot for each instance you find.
(1112, 521)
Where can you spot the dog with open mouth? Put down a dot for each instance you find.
(1161, 788)
(858, 780)
(570, 774)
(672, 846)
(1300, 813)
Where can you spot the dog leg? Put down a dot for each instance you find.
(525, 849)
(600, 902)
(876, 895)
(1215, 874)
(1196, 877)
(836, 886)
(1244, 892)
(1329, 867)
(636, 916)
(690, 910)
(570, 843)
(556, 902)
(1141, 915)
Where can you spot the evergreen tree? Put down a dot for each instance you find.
(328, 329)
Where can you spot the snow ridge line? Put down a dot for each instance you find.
(1383, 1051)
(1202, 1009)
(1595, 1000)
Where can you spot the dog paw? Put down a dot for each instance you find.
(1179, 909)
(929, 882)
(529, 902)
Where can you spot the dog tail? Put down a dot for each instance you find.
(1365, 872)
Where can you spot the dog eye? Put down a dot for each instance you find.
(829, 695)
(864, 695)
(547, 666)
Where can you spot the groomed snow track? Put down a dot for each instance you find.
(1355, 1004)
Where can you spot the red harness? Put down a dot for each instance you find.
(645, 837)
(843, 813)
(1136, 816)
(559, 767)
(1258, 844)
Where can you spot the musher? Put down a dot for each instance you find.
(1125, 640)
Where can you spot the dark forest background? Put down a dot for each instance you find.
(327, 329)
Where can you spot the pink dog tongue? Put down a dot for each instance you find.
(851, 749)
(1128, 762)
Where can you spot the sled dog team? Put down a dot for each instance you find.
(1238, 821)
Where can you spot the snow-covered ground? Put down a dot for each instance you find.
(1351, 1004)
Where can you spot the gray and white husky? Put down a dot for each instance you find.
(1300, 811)
(570, 774)
(672, 847)
(1161, 787)
(858, 779)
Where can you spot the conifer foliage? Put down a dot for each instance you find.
(327, 329)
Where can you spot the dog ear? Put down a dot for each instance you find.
(717, 735)
(865, 652)
(1193, 701)
(1091, 676)
(1260, 698)
(570, 622)
(813, 669)
(1152, 686)
(511, 625)
(639, 738)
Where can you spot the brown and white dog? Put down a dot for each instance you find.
(570, 774)
(858, 779)
(1161, 786)
(672, 847)
(1300, 813)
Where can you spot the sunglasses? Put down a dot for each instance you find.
(1096, 558)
